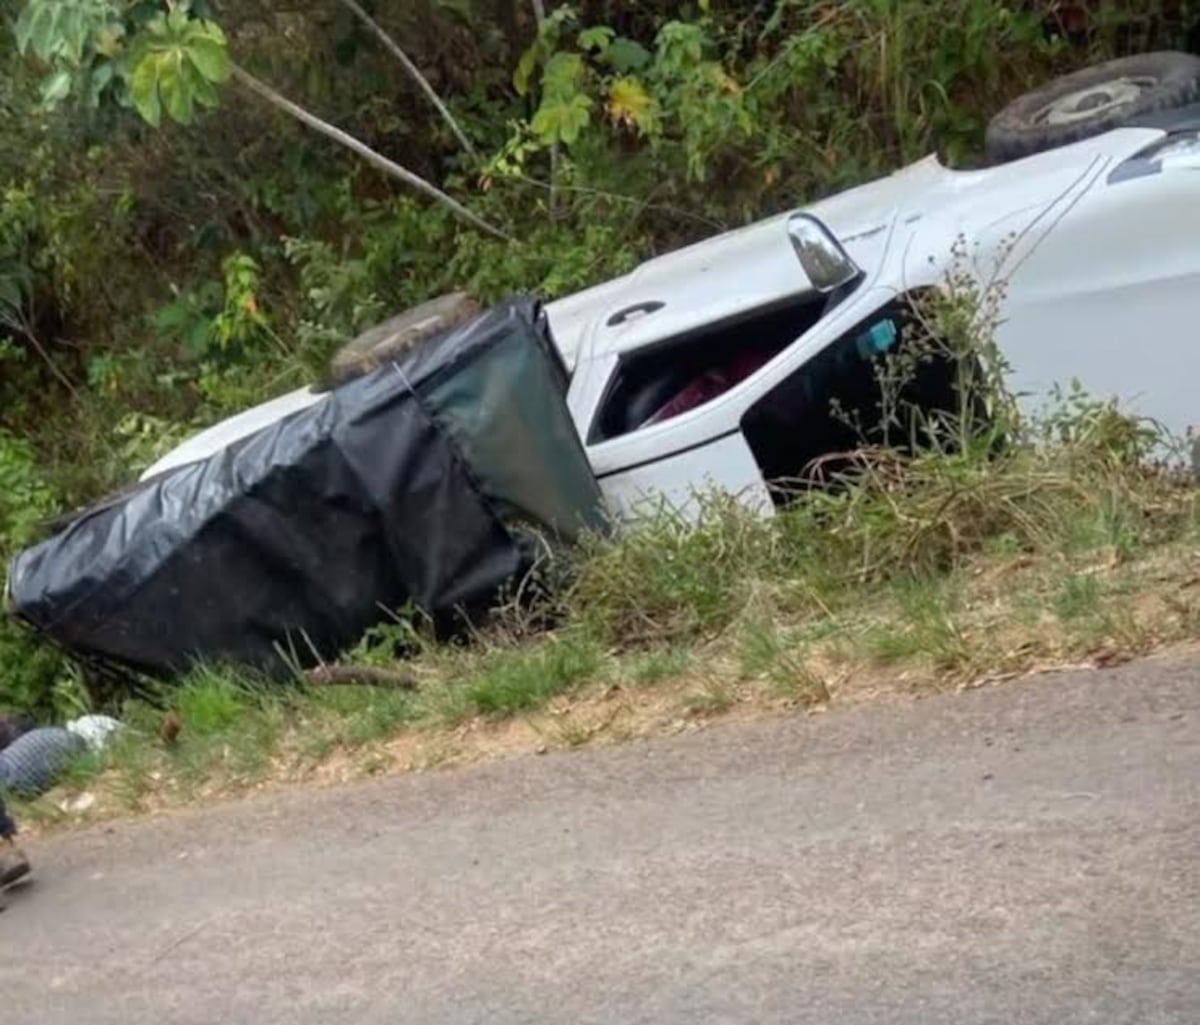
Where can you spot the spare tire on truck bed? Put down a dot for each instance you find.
(395, 337)
(1093, 101)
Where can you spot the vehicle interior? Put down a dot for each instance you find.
(683, 373)
(805, 430)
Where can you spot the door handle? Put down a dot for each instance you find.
(651, 306)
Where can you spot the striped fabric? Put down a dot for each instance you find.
(31, 764)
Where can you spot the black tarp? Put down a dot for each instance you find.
(433, 481)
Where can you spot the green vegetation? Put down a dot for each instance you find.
(176, 243)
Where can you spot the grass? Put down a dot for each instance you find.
(517, 679)
(712, 697)
(658, 665)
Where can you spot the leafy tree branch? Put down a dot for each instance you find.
(167, 57)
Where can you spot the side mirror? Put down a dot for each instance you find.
(821, 256)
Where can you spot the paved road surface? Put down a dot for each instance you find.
(1023, 854)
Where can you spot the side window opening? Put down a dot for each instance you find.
(681, 374)
(832, 404)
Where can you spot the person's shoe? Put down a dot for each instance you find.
(13, 863)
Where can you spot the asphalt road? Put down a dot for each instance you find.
(1021, 854)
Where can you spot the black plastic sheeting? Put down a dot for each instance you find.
(433, 481)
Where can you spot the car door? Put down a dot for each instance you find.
(705, 448)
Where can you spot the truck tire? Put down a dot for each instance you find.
(385, 342)
(1092, 101)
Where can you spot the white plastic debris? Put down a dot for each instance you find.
(94, 730)
(78, 804)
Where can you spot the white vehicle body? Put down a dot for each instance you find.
(1099, 247)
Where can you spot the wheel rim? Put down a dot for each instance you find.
(1092, 102)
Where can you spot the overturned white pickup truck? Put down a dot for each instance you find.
(715, 365)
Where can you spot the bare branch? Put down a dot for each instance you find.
(375, 159)
(24, 326)
(414, 73)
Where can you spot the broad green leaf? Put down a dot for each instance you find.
(203, 91)
(577, 119)
(596, 38)
(23, 30)
(210, 54)
(176, 65)
(177, 20)
(43, 31)
(627, 56)
(143, 90)
(57, 87)
(523, 76)
(174, 89)
(61, 29)
(563, 75)
(74, 31)
(680, 45)
(562, 120)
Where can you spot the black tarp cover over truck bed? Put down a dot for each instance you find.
(432, 481)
